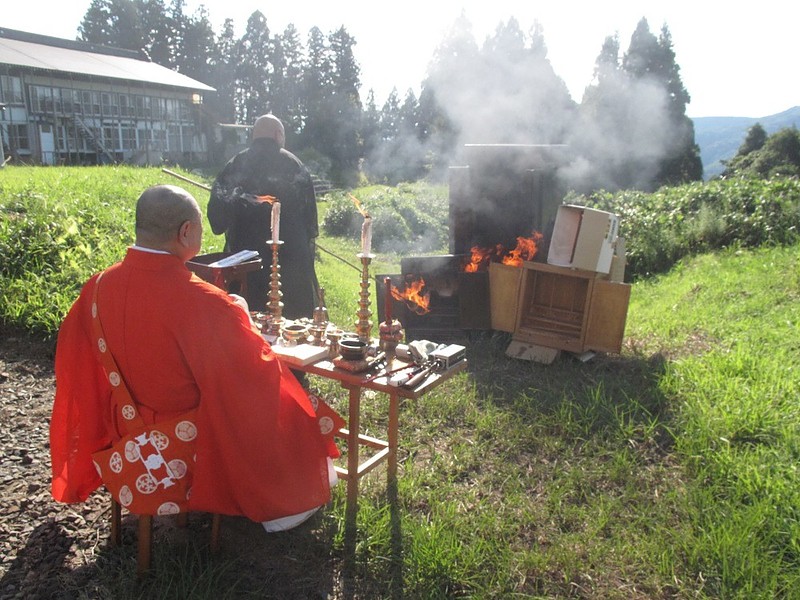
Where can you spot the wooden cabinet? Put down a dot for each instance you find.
(571, 309)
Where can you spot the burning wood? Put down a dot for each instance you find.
(415, 298)
(525, 250)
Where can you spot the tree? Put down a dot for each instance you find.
(287, 82)
(754, 140)
(778, 155)
(254, 70)
(223, 74)
(158, 32)
(651, 61)
(114, 23)
(345, 106)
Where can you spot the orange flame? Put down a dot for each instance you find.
(267, 199)
(478, 256)
(359, 208)
(414, 297)
(526, 249)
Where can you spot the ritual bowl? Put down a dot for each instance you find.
(294, 332)
(352, 349)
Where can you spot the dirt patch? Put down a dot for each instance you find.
(51, 550)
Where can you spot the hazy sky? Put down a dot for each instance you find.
(736, 59)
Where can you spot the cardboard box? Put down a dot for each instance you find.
(583, 238)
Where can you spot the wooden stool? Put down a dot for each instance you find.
(145, 534)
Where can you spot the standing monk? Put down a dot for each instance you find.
(266, 168)
(184, 347)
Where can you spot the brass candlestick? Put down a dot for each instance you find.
(363, 324)
(275, 306)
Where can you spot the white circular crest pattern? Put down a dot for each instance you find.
(101, 345)
(146, 484)
(132, 451)
(114, 378)
(169, 508)
(178, 468)
(325, 425)
(128, 412)
(158, 439)
(115, 462)
(94, 310)
(125, 495)
(314, 402)
(186, 431)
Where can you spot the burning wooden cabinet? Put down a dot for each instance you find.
(570, 309)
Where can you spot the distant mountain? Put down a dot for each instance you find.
(720, 137)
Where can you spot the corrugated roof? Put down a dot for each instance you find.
(70, 60)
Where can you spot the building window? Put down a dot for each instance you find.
(125, 105)
(111, 138)
(110, 103)
(10, 89)
(18, 137)
(128, 135)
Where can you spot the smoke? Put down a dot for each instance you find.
(508, 93)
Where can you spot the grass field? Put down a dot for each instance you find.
(669, 471)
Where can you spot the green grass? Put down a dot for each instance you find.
(669, 471)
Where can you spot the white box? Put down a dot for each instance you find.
(583, 238)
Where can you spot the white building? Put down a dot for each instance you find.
(69, 102)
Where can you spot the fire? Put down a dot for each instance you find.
(359, 208)
(478, 257)
(414, 296)
(267, 199)
(525, 250)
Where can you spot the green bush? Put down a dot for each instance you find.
(663, 227)
(408, 218)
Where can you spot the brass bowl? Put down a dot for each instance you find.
(351, 349)
(294, 332)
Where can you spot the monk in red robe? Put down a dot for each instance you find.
(183, 345)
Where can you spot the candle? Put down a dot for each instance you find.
(366, 236)
(276, 221)
(387, 310)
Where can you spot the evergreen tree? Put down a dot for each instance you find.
(113, 23)
(316, 83)
(777, 156)
(287, 82)
(222, 65)
(199, 46)
(345, 107)
(254, 70)
(157, 30)
(651, 61)
(754, 140)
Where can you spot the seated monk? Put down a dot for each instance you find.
(185, 350)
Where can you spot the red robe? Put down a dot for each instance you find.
(181, 343)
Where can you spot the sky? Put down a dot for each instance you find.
(736, 59)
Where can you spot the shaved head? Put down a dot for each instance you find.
(160, 212)
(269, 126)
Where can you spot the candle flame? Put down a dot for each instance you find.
(267, 199)
(359, 208)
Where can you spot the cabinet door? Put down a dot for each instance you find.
(608, 310)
